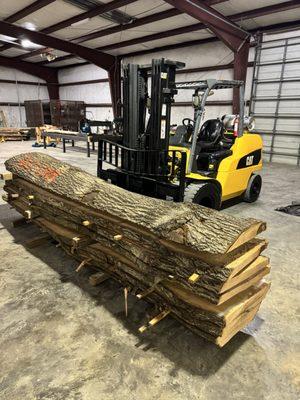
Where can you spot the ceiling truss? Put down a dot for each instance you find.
(224, 28)
(255, 13)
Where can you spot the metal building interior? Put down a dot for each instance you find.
(64, 338)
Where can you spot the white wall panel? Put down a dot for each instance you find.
(18, 93)
(186, 95)
(178, 113)
(100, 113)
(193, 56)
(89, 93)
(81, 73)
(10, 73)
(15, 116)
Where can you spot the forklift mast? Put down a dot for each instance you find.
(162, 94)
(148, 133)
(135, 95)
(141, 156)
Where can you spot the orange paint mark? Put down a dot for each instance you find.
(50, 174)
(25, 163)
(46, 173)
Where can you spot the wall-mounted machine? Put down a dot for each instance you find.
(85, 126)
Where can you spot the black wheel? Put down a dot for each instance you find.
(253, 189)
(206, 194)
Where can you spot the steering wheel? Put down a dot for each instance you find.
(188, 122)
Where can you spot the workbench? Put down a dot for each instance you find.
(89, 139)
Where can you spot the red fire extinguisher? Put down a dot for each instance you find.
(236, 126)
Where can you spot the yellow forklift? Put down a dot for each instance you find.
(202, 162)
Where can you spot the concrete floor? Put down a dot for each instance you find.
(62, 339)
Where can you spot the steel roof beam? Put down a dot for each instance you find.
(120, 28)
(135, 24)
(236, 38)
(274, 8)
(101, 9)
(191, 28)
(96, 57)
(172, 46)
(37, 5)
(268, 28)
(47, 74)
(50, 75)
(225, 29)
(113, 29)
(138, 22)
(102, 60)
(24, 12)
(280, 26)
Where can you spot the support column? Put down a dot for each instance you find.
(114, 76)
(49, 75)
(236, 38)
(53, 87)
(240, 65)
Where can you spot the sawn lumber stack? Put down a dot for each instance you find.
(11, 134)
(202, 266)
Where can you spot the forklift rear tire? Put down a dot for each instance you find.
(205, 194)
(253, 189)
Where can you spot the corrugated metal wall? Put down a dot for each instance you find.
(17, 93)
(202, 56)
(195, 56)
(275, 100)
(95, 93)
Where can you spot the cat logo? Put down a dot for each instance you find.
(249, 160)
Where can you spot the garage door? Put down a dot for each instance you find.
(275, 96)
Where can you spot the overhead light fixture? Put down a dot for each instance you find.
(81, 22)
(29, 25)
(49, 56)
(8, 39)
(26, 43)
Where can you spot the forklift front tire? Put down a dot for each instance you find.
(205, 194)
(253, 189)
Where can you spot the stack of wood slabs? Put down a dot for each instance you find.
(201, 266)
(12, 134)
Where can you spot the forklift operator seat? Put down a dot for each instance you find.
(211, 133)
(181, 137)
(212, 146)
